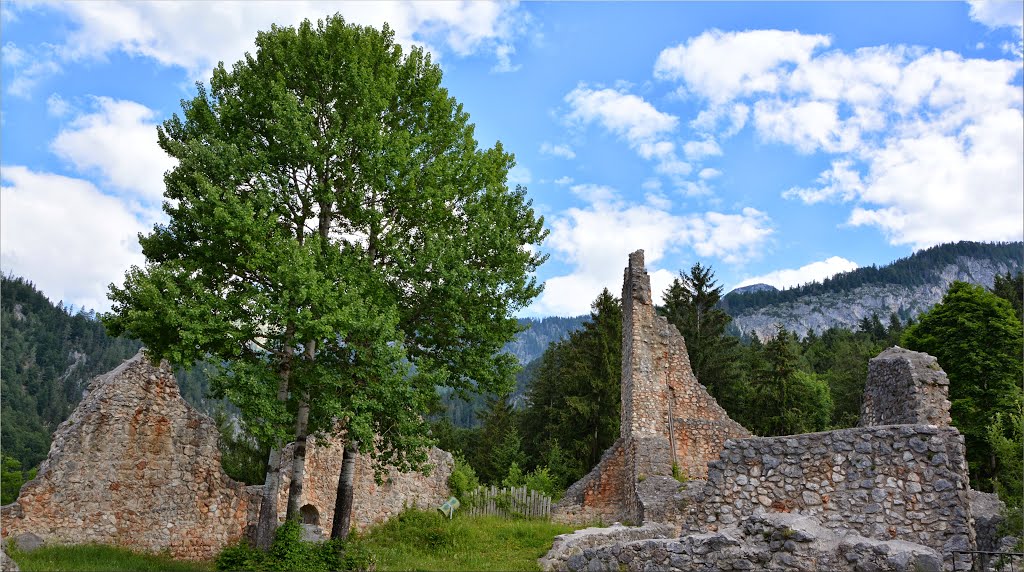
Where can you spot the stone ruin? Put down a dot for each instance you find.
(135, 465)
(890, 494)
(668, 420)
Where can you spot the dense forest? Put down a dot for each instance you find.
(916, 269)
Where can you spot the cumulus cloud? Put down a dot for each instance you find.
(1001, 14)
(117, 141)
(723, 65)
(813, 272)
(561, 150)
(925, 145)
(30, 67)
(697, 150)
(563, 180)
(519, 175)
(67, 236)
(634, 120)
(56, 106)
(580, 237)
(196, 35)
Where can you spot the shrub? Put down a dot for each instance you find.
(288, 552)
(463, 480)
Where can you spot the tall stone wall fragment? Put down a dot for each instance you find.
(905, 387)
(137, 466)
(668, 420)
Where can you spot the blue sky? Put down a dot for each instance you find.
(776, 142)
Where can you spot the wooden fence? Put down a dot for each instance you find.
(509, 503)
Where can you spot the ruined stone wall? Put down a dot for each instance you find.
(667, 418)
(905, 387)
(137, 466)
(600, 496)
(372, 503)
(906, 482)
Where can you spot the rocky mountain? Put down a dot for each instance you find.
(906, 287)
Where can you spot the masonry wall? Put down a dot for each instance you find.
(372, 503)
(905, 386)
(906, 482)
(667, 419)
(135, 465)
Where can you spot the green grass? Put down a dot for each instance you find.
(421, 540)
(99, 558)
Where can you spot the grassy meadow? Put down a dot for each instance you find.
(415, 540)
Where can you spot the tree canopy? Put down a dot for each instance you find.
(977, 339)
(337, 238)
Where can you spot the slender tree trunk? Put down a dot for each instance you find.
(299, 454)
(267, 523)
(346, 488)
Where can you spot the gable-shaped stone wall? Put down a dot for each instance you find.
(905, 386)
(135, 465)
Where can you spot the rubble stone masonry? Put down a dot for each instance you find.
(135, 465)
(667, 419)
(905, 387)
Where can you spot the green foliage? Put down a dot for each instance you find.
(243, 458)
(318, 185)
(1011, 288)
(679, 474)
(514, 478)
(463, 479)
(498, 444)
(99, 558)
(288, 552)
(789, 401)
(691, 305)
(1005, 435)
(11, 479)
(977, 340)
(542, 481)
(572, 414)
(426, 540)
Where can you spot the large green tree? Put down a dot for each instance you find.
(574, 397)
(787, 400)
(339, 240)
(692, 306)
(977, 339)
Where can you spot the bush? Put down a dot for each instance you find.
(463, 480)
(541, 480)
(288, 552)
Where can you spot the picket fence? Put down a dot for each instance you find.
(509, 503)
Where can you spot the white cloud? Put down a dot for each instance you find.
(56, 106)
(626, 115)
(561, 150)
(697, 150)
(651, 184)
(519, 175)
(596, 240)
(709, 173)
(723, 65)
(196, 35)
(904, 126)
(66, 236)
(1002, 14)
(813, 272)
(842, 181)
(30, 67)
(634, 120)
(564, 180)
(658, 201)
(118, 141)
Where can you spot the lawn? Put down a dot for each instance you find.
(420, 540)
(414, 540)
(99, 558)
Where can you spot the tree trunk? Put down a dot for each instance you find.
(299, 454)
(346, 489)
(298, 459)
(268, 508)
(267, 523)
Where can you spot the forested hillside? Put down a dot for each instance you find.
(906, 287)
